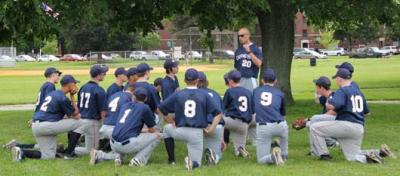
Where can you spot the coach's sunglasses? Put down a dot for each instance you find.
(241, 35)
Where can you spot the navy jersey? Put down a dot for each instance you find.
(131, 118)
(169, 86)
(217, 101)
(269, 104)
(350, 104)
(243, 61)
(153, 100)
(46, 88)
(114, 88)
(191, 107)
(237, 104)
(54, 107)
(92, 99)
(354, 84)
(115, 103)
(323, 100)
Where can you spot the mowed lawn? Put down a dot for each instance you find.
(378, 78)
(382, 127)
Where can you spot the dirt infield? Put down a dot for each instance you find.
(85, 72)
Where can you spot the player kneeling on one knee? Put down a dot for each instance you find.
(238, 112)
(115, 102)
(48, 121)
(348, 127)
(191, 107)
(270, 112)
(212, 141)
(127, 137)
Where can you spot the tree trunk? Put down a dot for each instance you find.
(277, 31)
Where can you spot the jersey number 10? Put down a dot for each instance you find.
(357, 103)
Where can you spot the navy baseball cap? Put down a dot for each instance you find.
(131, 71)
(143, 67)
(234, 75)
(157, 82)
(342, 73)
(202, 76)
(66, 79)
(98, 69)
(170, 63)
(191, 74)
(120, 71)
(323, 81)
(226, 78)
(269, 75)
(51, 70)
(347, 66)
(140, 93)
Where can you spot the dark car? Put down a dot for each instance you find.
(370, 52)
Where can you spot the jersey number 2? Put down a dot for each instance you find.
(46, 102)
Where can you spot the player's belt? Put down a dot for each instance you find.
(122, 143)
(265, 123)
(38, 121)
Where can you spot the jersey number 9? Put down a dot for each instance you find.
(266, 98)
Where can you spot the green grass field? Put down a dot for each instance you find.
(382, 127)
(378, 78)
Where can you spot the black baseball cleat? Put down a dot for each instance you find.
(325, 157)
(70, 156)
(373, 158)
(172, 163)
(386, 152)
(188, 163)
(275, 143)
(17, 154)
(210, 156)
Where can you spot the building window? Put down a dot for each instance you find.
(305, 33)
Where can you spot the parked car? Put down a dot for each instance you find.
(25, 58)
(72, 57)
(390, 49)
(48, 58)
(335, 52)
(7, 61)
(95, 57)
(370, 52)
(223, 54)
(160, 54)
(305, 53)
(142, 55)
(194, 54)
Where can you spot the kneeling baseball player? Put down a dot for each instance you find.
(191, 107)
(49, 121)
(127, 137)
(348, 128)
(238, 112)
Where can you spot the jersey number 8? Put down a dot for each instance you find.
(190, 108)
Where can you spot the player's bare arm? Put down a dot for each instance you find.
(257, 61)
(214, 124)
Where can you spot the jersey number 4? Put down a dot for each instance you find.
(85, 97)
(114, 104)
(357, 103)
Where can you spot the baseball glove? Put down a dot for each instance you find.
(299, 123)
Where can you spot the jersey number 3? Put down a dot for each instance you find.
(357, 103)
